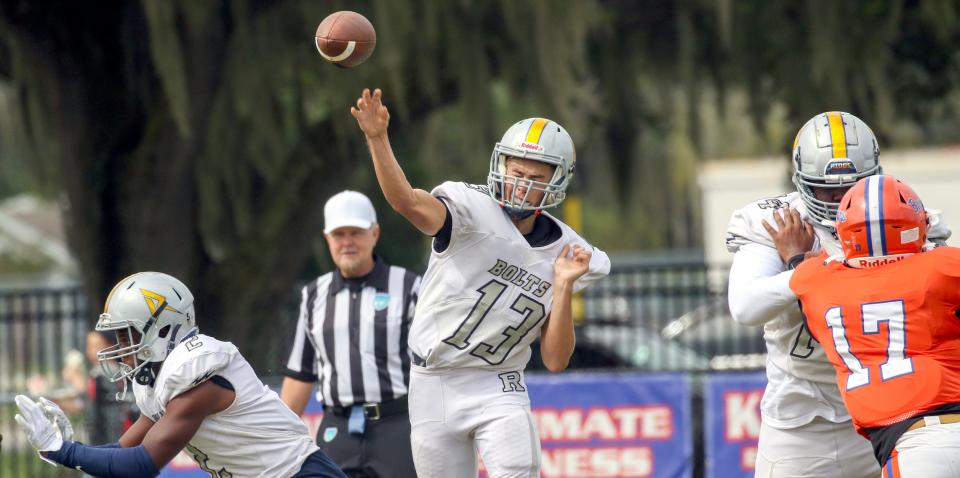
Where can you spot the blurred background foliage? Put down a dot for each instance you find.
(201, 138)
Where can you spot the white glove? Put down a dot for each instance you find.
(41, 432)
(56, 415)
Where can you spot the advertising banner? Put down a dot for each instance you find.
(613, 424)
(731, 406)
(600, 425)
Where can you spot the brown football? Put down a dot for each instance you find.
(346, 38)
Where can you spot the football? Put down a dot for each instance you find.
(345, 38)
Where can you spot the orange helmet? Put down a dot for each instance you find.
(880, 220)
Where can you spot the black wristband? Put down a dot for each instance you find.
(795, 261)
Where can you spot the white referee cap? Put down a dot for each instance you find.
(348, 209)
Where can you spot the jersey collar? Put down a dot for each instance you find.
(378, 278)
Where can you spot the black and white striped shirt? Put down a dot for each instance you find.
(352, 335)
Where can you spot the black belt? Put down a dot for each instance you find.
(373, 411)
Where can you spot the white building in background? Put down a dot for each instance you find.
(726, 185)
(33, 248)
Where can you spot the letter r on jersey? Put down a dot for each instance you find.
(511, 382)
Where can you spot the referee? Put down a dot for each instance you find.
(352, 337)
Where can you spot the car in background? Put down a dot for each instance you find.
(666, 312)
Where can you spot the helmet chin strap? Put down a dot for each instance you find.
(520, 214)
(146, 376)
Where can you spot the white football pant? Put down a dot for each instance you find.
(819, 449)
(455, 413)
(929, 452)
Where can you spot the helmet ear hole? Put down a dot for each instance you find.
(163, 332)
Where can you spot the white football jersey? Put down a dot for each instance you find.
(485, 297)
(801, 382)
(745, 225)
(788, 346)
(256, 436)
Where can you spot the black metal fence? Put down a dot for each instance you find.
(665, 317)
(41, 334)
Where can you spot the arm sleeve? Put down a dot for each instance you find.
(759, 285)
(107, 445)
(302, 363)
(132, 462)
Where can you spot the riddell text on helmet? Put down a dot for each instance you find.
(880, 262)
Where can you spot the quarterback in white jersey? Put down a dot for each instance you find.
(193, 391)
(501, 274)
(488, 269)
(806, 430)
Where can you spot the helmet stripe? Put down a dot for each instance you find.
(838, 136)
(536, 130)
(880, 226)
(873, 207)
(866, 212)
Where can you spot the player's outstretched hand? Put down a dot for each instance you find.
(792, 235)
(56, 415)
(41, 432)
(571, 263)
(372, 116)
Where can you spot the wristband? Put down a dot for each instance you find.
(795, 261)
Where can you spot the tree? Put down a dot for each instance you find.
(201, 138)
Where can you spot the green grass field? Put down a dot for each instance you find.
(21, 463)
(27, 464)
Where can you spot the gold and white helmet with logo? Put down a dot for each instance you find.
(832, 150)
(541, 140)
(151, 313)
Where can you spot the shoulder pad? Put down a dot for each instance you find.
(465, 202)
(746, 224)
(191, 363)
(599, 266)
(945, 259)
(458, 191)
(480, 188)
(937, 231)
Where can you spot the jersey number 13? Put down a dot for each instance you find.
(494, 354)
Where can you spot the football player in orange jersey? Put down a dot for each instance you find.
(886, 312)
